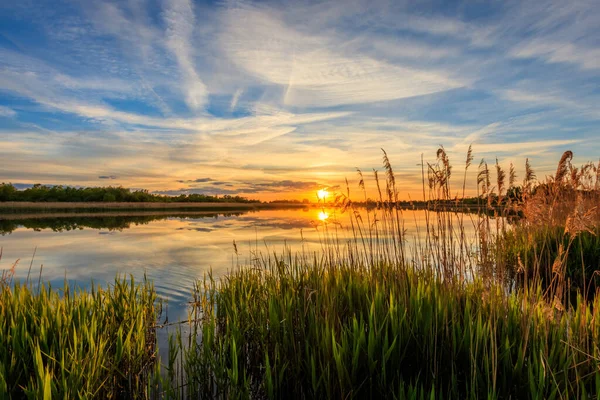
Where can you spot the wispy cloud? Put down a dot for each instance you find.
(268, 98)
(180, 20)
(235, 99)
(7, 112)
(314, 69)
(557, 52)
(198, 180)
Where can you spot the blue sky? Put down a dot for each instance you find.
(278, 99)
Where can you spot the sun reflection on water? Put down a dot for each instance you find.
(323, 215)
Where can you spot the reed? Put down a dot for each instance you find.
(475, 307)
(291, 330)
(77, 344)
(371, 318)
(557, 243)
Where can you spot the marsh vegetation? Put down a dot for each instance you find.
(508, 311)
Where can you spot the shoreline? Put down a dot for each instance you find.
(15, 216)
(12, 207)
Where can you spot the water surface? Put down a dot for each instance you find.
(172, 250)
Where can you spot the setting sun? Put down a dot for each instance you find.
(322, 194)
(323, 215)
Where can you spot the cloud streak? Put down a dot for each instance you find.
(312, 70)
(180, 21)
(7, 112)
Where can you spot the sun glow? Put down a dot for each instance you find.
(322, 194)
(323, 215)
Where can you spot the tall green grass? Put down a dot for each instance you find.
(319, 331)
(548, 256)
(77, 344)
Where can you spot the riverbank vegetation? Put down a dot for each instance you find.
(43, 193)
(507, 313)
(476, 306)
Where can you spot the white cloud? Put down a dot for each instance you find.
(312, 69)
(7, 112)
(235, 98)
(585, 58)
(583, 106)
(180, 20)
(391, 47)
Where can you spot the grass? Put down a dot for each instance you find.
(557, 243)
(508, 312)
(547, 254)
(322, 331)
(76, 344)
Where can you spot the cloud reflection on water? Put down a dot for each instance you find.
(172, 251)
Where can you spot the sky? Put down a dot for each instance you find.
(280, 99)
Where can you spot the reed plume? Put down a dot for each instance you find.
(388, 169)
(563, 165)
(529, 177)
(597, 184)
(376, 174)
(512, 176)
(361, 182)
(483, 178)
(500, 177)
(467, 165)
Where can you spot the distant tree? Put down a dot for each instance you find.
(515, 194)
(7, 192)
(42, 193)
(109, 197)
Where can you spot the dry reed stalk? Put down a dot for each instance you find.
(529, 178)
(563, 166)
(500, 177)
(512, 176)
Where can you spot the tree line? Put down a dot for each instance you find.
(43, 193)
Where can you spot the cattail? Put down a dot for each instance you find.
(563, 164)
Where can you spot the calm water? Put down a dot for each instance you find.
(172, 250)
